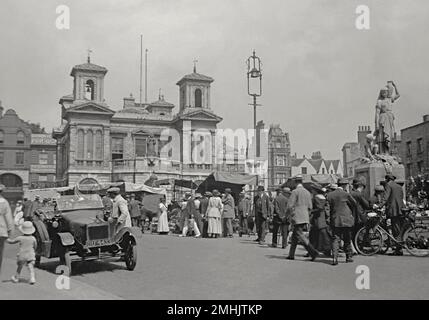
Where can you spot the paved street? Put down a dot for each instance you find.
(186, 268)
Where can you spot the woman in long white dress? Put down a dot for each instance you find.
(163, 227)
(214, 211)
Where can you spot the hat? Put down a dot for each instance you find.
(286, 190)
(333, 186)
(113, 190)
(228, 190)
(342, 182)
(133, 194)
(390, 176)
(198, 195)
(216, 193)
(27, 227)
(358, 183)
(261, 188)
(208, 194)
(188, 194)
(370, 136)
(379, 188)
(2, 187)
(37, 196)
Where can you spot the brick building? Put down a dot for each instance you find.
(415, 148)
(43, 161)
(27, 159)
(279, 159)
(97, 143)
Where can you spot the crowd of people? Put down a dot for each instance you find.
(320, 219)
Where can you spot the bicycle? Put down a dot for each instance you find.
(373, 238)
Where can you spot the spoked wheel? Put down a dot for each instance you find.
(386, 244)
(130, 255)
(368, 241)
(416, 240)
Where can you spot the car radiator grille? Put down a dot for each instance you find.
(98, 232)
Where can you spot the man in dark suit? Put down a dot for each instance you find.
(261, 208)
(362, 205)
(300, 205)
(204, 203)
(281, 216)
(394, 202)
(342, 205)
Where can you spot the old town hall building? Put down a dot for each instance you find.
(97, 143)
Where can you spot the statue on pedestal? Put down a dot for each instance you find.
(379, 146)
(385, 119)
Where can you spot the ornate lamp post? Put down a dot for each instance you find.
(254, 74)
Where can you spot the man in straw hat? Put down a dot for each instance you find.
(300, 204)
(120, 208)
(6, 221)
(342, 205)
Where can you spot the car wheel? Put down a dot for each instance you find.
(131, 255)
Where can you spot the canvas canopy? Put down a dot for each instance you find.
(136, 187)
(222, 180)
(178, 183)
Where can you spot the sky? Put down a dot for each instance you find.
(321, 75)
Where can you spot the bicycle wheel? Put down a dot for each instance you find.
(368, 241)
(416, 240)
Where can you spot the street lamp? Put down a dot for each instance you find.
(254, 74)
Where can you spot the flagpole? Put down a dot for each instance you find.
(141, 67)
(145, 77)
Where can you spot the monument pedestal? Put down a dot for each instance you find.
(374, 173)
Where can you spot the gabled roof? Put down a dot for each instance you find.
(316, 163)
(88, 67)
(195, 77)
(198, 114)
(90, 107)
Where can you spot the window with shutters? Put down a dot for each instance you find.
(80, 144)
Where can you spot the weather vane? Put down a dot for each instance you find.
(89, 55)
(195, 65)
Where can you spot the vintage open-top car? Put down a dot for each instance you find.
(78, 225)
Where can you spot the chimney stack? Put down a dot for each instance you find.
(425, 117)
(129, 102)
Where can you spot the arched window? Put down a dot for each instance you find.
(20, 137)
(89, 145)
(1, 137)
(80, 144)
(99, 145)
(198, 98)
(89, 90)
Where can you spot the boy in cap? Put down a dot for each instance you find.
(27, 250)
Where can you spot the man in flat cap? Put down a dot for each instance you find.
(120, 208)
(362, 204)
(394, 202)
(342, 205)
(261, 208)
(228, 213)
